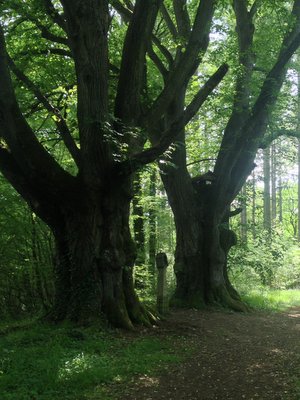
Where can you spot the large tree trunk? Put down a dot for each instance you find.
(94, 260)
(202, 239)
(189, 240)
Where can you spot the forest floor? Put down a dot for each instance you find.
(234, 356)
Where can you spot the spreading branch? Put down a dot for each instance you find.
(168, 20)
(59, 120)
(254, 8)
(189, 61)
(182, 18)
(47, 34)
(268, 139)
(132, 71)
(54, 14)
(170, 134)
(30, 155)
(157, 62)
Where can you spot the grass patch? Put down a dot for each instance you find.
(46, 362)
(274, 300)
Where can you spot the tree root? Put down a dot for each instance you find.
(221, 296)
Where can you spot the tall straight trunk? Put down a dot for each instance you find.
(138, 222)
(244, 230)
(152, 218)
(280, 200)
(139, 233)
(280, 188)
(253, 210)
(298, 127)
(267, 195)
(273, 182)
(298, 221)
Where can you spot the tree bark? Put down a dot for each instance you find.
(94, 260)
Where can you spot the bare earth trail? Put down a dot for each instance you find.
(236, 356)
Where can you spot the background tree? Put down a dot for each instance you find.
(200, 205)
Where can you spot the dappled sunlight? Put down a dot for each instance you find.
(294, 314)
(77, 365)
(148, 381)
(276, 351)
(255, 366)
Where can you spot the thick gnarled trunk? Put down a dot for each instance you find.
(94, 260)
(201, 269)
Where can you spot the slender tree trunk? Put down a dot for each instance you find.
(298, 221)
(138, 222)
(298, 127)
(253, 211)
(273, 182)
(244, 230)
(267, 196)
(139, 233)
(152, 240)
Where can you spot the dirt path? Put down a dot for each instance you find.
(237, 356)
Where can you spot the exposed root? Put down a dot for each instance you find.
(221, 296)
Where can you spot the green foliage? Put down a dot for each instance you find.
(264, 261)
(26, 270)
(274, 300)
(49, 362)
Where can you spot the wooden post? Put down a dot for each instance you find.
(162, 299)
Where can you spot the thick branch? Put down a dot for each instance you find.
(121, 9)
(47, 34)
(254, 8)
(168, 56)
(241, 104)
(127, 14)
(132, 72)
(55, 51)
(170, 134)
(87, 27)
(14, 174)
(54, 14)
(157, 61)
(59, 120)
(245, 32)
(182, 18)
(268, 139)
(237, 211)
(27, 151)
(255, 127)
(196, 47)
(168, 20)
